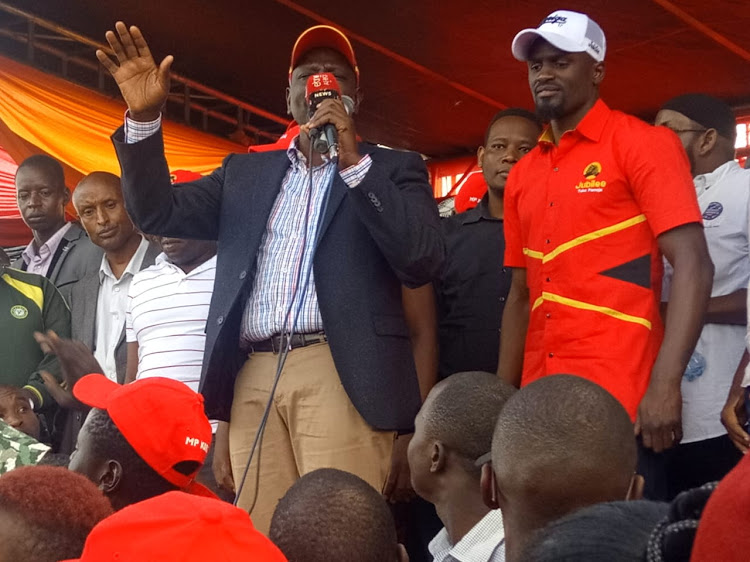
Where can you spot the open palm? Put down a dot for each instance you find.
(143, 85)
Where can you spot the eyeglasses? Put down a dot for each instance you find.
(484, 459)
(678, 131)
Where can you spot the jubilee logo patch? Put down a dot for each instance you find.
(713, 210)
(591, 185)
(19, 312)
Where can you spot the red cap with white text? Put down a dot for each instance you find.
(162, 419)
(323, 36)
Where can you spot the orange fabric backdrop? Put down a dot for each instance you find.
(73, 124)
(41, 113)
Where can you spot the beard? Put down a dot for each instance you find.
(548, 110)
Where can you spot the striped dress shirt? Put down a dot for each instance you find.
(285, 253)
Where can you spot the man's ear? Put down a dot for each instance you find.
(708, 142)
(599, 71)
(110, 477)
(480, 156)
(288, 101)
(635, 491)
(488, 486)
(66, 196)
(438, 457)
(358, 97)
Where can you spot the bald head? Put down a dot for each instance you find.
(95, 181)
(561, 443)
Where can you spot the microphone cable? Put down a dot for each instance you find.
(285, 340)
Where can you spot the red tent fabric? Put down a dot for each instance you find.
(13, 231)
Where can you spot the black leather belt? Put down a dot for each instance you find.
(297, 340)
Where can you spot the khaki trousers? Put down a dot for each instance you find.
(312, 424)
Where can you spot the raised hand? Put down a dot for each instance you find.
(143, 85)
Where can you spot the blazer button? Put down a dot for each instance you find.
(243, 274)
(220, 320)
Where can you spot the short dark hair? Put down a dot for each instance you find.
(54, 509)
(615, 531)
(513, 112)
(48, 165)
(462, 411)
(140, 481)
(330, 514)
(565, 442)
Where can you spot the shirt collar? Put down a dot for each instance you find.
(480, 212)
(478, 545)
(134, 265)
(163, 260)
(298, 159)
(591, 126)
(705, 181)
(51, 244)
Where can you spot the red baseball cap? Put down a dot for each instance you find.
(471, 192)
(323, 36)
(178, 527)
(162, 419)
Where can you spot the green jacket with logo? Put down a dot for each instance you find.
(29, 303)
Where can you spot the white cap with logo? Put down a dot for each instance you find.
(571, 32)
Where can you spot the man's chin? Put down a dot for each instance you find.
(548, 112)
(497, 189)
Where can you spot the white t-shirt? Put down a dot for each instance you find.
(724, 197)
(166, 315)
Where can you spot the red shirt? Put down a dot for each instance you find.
(582, 217)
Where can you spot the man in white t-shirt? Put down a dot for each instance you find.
(706, 127)
(166, 320)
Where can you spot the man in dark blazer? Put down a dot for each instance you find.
(60, 250)
(349, 383)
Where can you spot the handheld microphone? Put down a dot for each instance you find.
(321, 87)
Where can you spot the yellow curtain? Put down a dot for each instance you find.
(73, 125)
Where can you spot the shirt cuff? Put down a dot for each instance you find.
(136, 131)
(353, 175)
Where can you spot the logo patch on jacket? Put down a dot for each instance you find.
(19, 312)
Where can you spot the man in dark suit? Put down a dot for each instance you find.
(368, 224)
(60, 250)
(98, 302)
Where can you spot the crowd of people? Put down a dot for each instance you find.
(294, 358)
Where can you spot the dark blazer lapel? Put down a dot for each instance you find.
(268, 170)
(338, 192)
(90, 290)
(66, 244)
